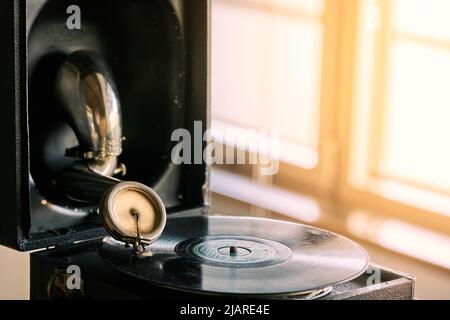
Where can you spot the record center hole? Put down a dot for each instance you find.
(234, 251)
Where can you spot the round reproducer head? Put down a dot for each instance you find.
(133, 213)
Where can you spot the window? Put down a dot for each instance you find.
(406, 149)
(266, 71)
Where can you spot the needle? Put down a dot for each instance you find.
(135, 215)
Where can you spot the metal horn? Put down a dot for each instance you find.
(86, 91)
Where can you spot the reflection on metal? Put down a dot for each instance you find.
(85, 90)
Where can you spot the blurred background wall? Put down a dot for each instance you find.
(357, 92)
(14, 275)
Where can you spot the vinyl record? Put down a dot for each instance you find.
(242, 256)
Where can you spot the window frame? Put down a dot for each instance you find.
(330, 181)
(362, 196)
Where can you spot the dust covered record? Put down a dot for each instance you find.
(242, 256)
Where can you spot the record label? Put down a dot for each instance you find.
(235, 251)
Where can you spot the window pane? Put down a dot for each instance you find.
(417, 120)
(239, 50)
(266, 67)
(309, 6)
(294, 79)
(306, 6)
(422, 17)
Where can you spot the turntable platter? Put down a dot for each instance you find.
(242, 256)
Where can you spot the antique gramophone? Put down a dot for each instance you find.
(92, 91)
